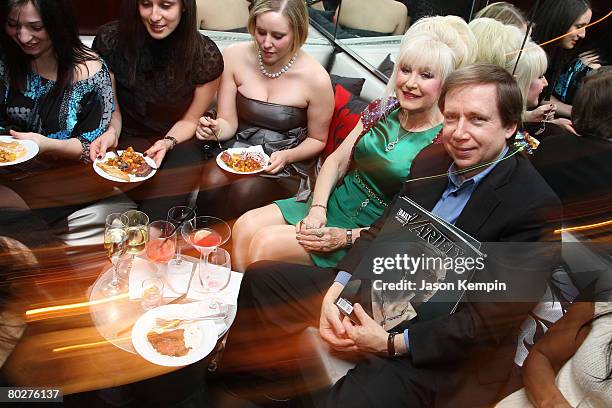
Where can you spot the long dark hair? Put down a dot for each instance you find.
(608, 347)
(553, 19)
(60, 23)
(133, 37)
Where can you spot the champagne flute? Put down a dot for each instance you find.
(115, 244)
(205, 234)
(178, 215)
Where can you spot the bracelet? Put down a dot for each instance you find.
(319, 205)
(172, 139)
(85, 145)
(349, 238)
(391, 345)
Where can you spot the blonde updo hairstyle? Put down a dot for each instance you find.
(452, 31)
(500, 44)
(505, 13)
(496, 41)
(422, 50)
(295, 12)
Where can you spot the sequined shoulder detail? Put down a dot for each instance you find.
(377, 110)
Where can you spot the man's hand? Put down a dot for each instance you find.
(369, 336)
(330, 325)
(106, 141)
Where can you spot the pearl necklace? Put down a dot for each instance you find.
(274, 75)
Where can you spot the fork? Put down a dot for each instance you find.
(184, 295)
(171, 323)
(217, 136)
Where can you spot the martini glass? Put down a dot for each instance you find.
(205, 234)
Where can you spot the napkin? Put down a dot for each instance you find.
(142, 269)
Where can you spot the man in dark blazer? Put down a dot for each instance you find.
(481, 185)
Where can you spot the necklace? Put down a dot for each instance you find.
(273, 75)
(391, 145)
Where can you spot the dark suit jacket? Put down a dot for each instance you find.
(474, 347)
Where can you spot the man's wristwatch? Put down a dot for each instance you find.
(172, 140)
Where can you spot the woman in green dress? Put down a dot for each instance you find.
(363, 174)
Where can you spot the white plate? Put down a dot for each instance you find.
(238, 150)
(203, 340)
(133, 179)
(31, 150)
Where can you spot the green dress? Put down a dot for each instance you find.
(373, 180)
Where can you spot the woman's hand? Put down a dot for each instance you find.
(330, 324)
(37, 138)
(565, 123)
(207, 129)
(316, 218)
(368, 336)
(158, 151)
(278, 161)
(107, 140)
(326, 239)
(541, 113)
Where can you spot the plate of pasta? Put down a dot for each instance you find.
(243, 160)
(15, 151)
(125, 166)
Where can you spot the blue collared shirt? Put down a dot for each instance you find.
(449, 207)
(457, 194)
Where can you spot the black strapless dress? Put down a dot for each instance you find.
(274, 127)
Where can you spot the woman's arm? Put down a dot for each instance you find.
(552, 351)
(185, 128)
(563, 109)
(70, 149)
(110, 138)
(320, 111)
(226, 124)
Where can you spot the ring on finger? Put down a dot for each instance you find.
(320, 234)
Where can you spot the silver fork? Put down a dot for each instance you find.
(184, 295)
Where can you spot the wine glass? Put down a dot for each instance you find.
(115, 245)
(178, 215)
(218, 273)
(205, 234)
(162, 241)
(137, 233)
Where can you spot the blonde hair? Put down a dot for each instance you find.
(454, 32)
(295, 12)
(500, 44)
(505, 13)
(531, 65)
(424, 51)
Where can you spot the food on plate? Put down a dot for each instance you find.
(245, 162)
(128, 162)
(169, 343)
(113, 171)
(11, 151)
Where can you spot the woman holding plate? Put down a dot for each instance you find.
(166, 74)
(275, 95)
(56, 93)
